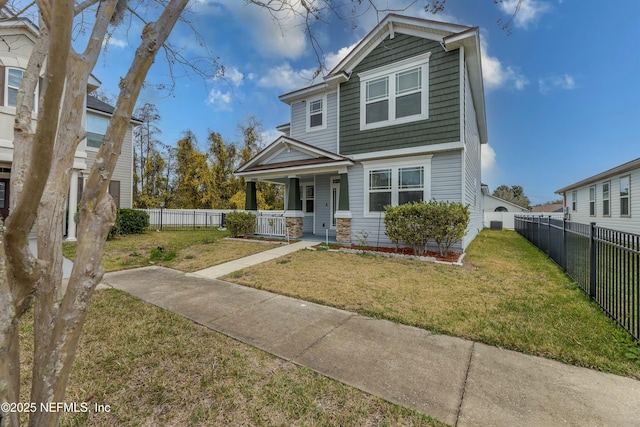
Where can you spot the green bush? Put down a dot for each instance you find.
(240, 223)
(129, 221)
(414, 224)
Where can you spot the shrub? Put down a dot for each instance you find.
(416, 223)
(129, 221)
(240, 223)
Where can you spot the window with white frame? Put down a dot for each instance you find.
(625, 183)
(307, 194)
(574, 200)
(396, 184)
(606, 197)
(395, 94)
(13, 80)
(592, 200)
(96, 129)
(316, 115)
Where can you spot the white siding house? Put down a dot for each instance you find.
(611, 199)
(18, 37)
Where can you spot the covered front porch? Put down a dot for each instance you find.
(316, 189)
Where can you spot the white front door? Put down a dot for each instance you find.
(335, 197)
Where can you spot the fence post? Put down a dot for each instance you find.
(194, 219)
(161, 218)
(564, 244)
(592, 261)
(549, 236)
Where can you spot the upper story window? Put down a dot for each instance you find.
(624, 195)
(606, 197)
(316, 114)
(395, 94)
(96, 129)
(13, 80)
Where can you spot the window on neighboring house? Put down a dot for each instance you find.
(12, 84)
(574, 200)
(605, 199)
(592, 200)
(624, 195)
(96, 129)
(316, 114)
(307, 193)
(394, 94)
(396, 184)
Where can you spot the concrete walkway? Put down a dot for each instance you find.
(231, 266)
(459, 382)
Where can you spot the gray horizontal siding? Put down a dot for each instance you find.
(287, 156)
(443, 124)
(324, 138)
(446, 176)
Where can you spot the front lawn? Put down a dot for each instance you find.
(507, 294)
(185, 250)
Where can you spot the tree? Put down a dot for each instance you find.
(43, 156)
(224, 183)
(514, 194)
(146, 146)
(193, 176)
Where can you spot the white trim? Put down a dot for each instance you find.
(391, 71)
(463, 96)
(275, 173)
(434, 148)
(343, 215)
(395, 166)
(293, 214)
(323, 125)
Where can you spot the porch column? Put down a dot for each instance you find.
(343, 214)
(294, 215)
(251, 201)
(73, 207)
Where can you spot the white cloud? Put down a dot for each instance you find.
(524, 12)
(332, 59)
(489, 166)
(268, 136)
(111, 41)
(497, 75)
(231, 75)
(565, 82)
(219, 100)
(285, 78)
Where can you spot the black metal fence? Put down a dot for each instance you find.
(184, 219)
(605, 263)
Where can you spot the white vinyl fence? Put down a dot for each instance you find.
(507, 218)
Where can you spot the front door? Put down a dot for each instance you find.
(4, 198)
(335, 197)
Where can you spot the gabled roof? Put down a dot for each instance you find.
(450, 36)
(623, 168)
(320, 158)
(97, 105)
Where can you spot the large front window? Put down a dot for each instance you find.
(394, 94)
(396, 183)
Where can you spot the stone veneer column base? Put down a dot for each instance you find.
(294, 227)
(343, 230)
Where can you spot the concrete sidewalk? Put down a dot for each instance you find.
(456, 381)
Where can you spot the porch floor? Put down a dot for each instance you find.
(305, 236)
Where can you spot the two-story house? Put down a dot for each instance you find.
(17, 38)
(401, 118)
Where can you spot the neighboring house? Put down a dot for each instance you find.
(611, 199)
(401, 118)
(548, 207)
(18, 37)
(496, 204)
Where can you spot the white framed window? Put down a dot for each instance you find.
(13, 80)
(316, 114)
(396, 182)
(606, 198)
(96, 129)
(574, 200)
(625, 196)
(307, 194)
(592, 200)
(395, 94)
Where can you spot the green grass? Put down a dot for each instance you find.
(153, 367)
(185, 250)
(507, 294)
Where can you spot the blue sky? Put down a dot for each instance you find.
(562, 88)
